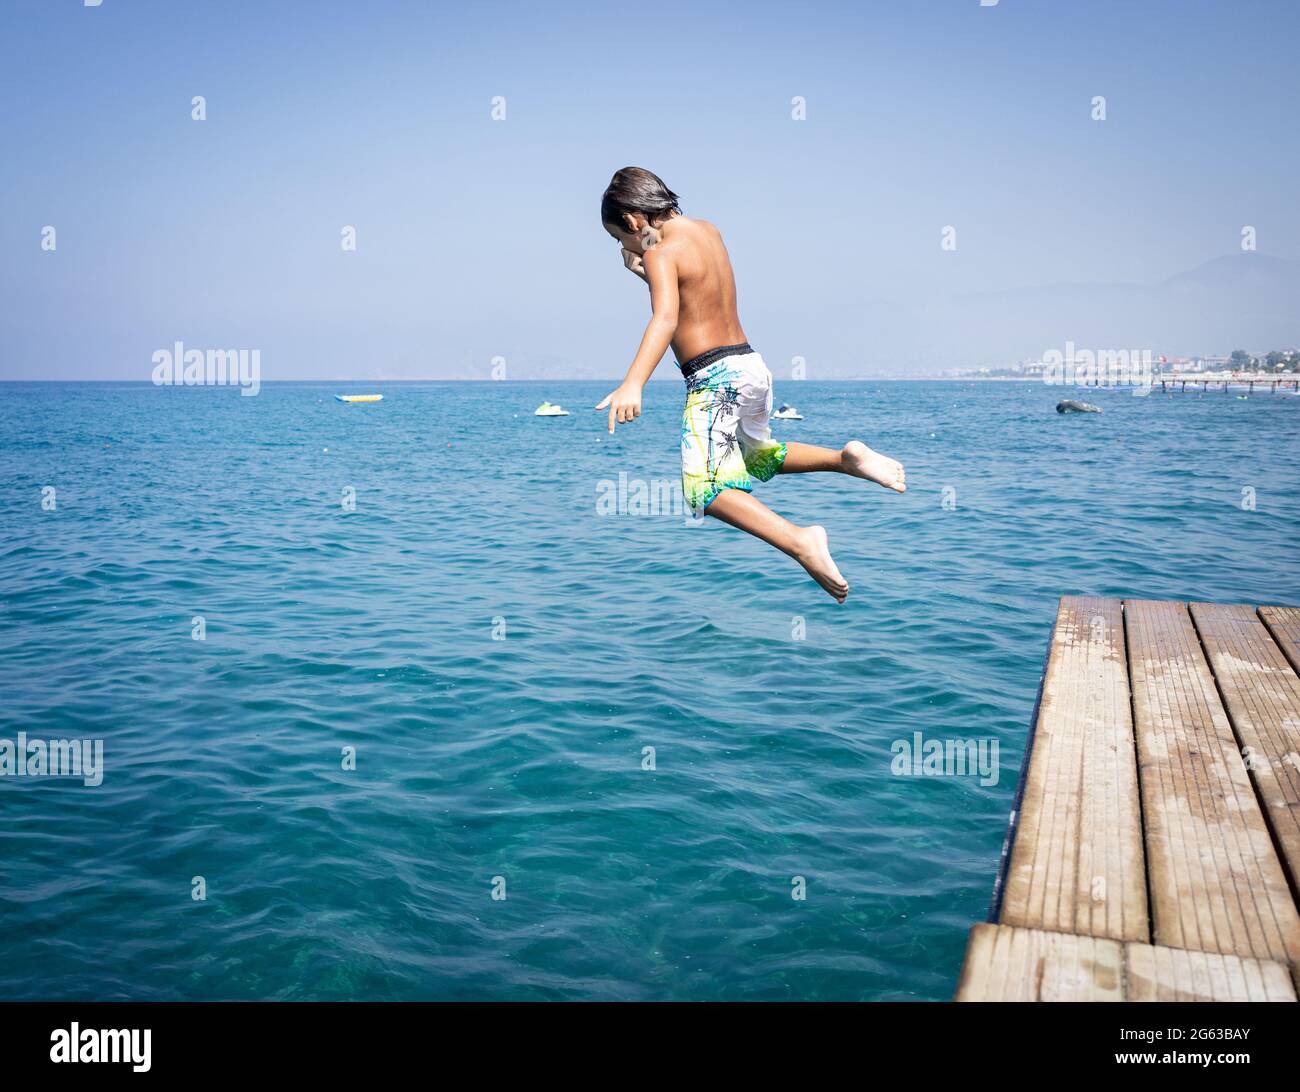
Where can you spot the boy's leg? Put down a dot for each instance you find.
(807, 545)
(806, 458)
(855, 458)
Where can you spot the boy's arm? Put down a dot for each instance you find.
(661, 273)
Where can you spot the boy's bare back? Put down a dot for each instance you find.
(706, 287)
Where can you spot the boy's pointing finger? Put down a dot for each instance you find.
(612, 409)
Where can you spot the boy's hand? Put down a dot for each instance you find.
(624, 405)
(634, 263)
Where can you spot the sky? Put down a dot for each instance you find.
(478, 240)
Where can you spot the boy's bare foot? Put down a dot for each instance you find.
(860, 461)
(813, 552)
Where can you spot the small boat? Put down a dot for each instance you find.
(787, 413)
(359, 397)
(546, 409)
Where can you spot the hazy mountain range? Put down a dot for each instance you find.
(1240, 301)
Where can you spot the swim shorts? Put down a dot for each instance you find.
(726, 437)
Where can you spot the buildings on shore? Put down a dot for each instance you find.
(1273, 362)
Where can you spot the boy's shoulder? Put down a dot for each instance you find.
(693, 237)
(687, 250)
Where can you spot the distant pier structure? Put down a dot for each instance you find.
(1211, 381)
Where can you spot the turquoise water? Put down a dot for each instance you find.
(522, 757)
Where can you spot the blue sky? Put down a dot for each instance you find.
(480, 238)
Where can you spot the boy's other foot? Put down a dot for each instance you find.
(813, 552)
(860, 461)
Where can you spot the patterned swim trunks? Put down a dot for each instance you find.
(726, 437)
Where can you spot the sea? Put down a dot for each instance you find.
(432, 698)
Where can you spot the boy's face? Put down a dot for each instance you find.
(637, 236)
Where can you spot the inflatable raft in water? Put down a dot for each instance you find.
(359, 397)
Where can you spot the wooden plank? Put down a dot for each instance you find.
(1261, 692)
(1155, 973)
(1284, 624)
(1004, 963)
(1076, 865)
(1216, 883)
(1008, 964)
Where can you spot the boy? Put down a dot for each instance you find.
(726, 438)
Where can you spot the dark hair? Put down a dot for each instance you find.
(634, 189)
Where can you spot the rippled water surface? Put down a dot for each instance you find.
(522, 758)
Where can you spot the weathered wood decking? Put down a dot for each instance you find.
(1155, 851)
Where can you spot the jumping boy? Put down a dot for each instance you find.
(726, 437)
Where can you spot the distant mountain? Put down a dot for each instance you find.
(1240, 301)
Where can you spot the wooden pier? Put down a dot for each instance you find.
(1154, 849)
